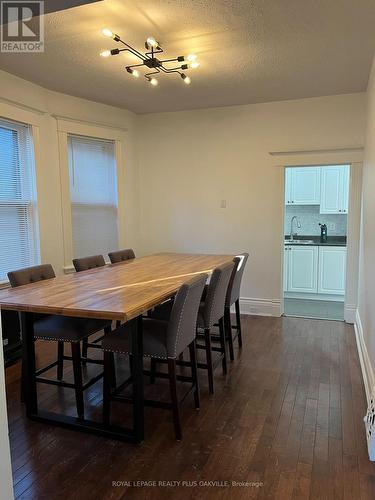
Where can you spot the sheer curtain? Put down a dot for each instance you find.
(19, 237)
(93, 191)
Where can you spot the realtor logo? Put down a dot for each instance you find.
(22, 26)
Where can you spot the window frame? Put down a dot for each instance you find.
(66, 127)
(32, 204)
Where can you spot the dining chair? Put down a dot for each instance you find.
(121, 255)
(164, 341)
(84, 264)
(233, 297)
(60, 329)
(211, 312)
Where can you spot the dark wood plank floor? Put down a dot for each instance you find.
(286, 422)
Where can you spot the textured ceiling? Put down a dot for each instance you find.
(250, 51)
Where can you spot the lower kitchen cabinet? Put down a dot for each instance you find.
(332, 270)
(302, 268)
(315, 269)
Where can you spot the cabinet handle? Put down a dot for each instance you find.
(340, 210)
(292, 201)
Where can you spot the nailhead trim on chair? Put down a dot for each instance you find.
(144, 355)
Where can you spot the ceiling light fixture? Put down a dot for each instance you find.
(150, 61)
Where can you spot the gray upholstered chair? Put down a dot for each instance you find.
(233, 297)
(60, 329)
(121, 255)
(86, 263)
(163, 341)
(211, 312)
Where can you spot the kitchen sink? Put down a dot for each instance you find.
(299, 242)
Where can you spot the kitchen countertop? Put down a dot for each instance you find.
(332, 241)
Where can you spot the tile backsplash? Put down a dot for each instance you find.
(309, 217)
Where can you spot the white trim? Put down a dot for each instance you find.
(347, 149)
(260, 307)
(24, 107)
(367, 371)
(86, 127)
(314, 296)
(350, 312)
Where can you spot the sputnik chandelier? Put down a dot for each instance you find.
(150, 61)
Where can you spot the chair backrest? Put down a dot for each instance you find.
(121, 255)
(182, 324)
(31, 275)
(91, 262)
(214, 302)
(233, 293)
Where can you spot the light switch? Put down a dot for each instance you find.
(223, 204)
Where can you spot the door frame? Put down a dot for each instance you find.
(348, 156)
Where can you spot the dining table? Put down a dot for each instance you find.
(118, 292)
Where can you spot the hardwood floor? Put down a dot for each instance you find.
(287, 420)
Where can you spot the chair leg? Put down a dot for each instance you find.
(174, 398)
(238, 319)
(77, 370)
(60, 360)
(107, 382)
(194, 373)
(228, 331)
(84, 349)
(223, 345)
(23, 376)
(210, 368)
(153, 370)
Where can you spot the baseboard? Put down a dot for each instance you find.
(260, 307)
(367, 371)
(350, 314)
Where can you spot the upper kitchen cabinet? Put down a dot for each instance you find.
(335, 189)
(302, 186)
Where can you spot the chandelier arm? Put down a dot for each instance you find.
(134, 51)
(135, 65)
(172, 70)
(152, 73)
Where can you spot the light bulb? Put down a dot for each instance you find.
(194, 64)
(107, 32)
(191, 57)
(105, 53)
(154, 82)
(187, 80)
(152, 42)
(135, 73)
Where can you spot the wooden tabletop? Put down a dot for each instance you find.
(118, 291)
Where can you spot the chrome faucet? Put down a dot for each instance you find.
(292, 235)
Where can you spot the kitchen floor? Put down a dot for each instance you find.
(321, 309)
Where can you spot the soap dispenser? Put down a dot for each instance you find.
(323, 232)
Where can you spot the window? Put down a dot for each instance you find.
(93, 192)
(19, 241)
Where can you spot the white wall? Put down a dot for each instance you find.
(24, 101)
(366, 291)
(194, 159)
(6, 486)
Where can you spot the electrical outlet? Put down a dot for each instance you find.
(331, 226)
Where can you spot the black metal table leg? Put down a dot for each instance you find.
(137, 374)
(28, 360)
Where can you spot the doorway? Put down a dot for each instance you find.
(316, 212)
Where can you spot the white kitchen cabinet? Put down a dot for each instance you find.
(334, 195)
(302, 268)
(332, 270)
(286, 268)
(302, 186)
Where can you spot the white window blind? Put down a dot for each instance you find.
(93, 191)
(19, 239)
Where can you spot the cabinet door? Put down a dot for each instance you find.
(305, 186)
(286, 267)
(332, 270)
(303, 269)
(344, 189)
(331, 190)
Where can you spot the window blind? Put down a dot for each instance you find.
(19, 239)
(93, 191)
